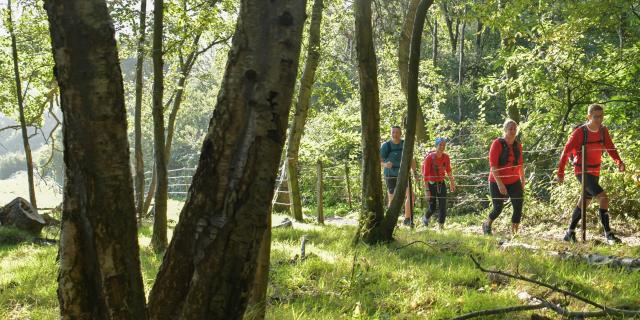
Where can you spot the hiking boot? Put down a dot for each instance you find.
(425, 220)
(486, 229)
(407, 222)
(570, 237)
(612, 239)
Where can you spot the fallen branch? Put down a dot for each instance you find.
(604, 310)
(501, 311)
(554, 288)
(414, 242)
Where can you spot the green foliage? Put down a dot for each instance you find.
(35, 62)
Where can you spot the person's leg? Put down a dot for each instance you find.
(408, 203)
(391, 186)
(593, 186)
(497, 199)
(432, 203)
(442, 203)
(517, 199)
(577, 214)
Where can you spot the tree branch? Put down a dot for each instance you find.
(554, 288)
(500, 311)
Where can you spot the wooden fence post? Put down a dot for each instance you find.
(319, 193)
(346, 179)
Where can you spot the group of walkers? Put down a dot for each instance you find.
(506, 176)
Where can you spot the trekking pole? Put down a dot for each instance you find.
(584, 194)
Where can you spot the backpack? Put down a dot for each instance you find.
(504, 155)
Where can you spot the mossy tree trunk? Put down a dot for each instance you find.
(210, 264)
(99, 276)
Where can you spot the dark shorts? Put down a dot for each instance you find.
(591, 185)
(391, 183)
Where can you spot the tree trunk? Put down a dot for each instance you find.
(185, 70)
(385, 232)
(479, 31)
(513, 112)
(258, 297)
(372, 207)
(403, 64)
(139, 160)
(99, 276)
(461, 71)
(453, 36)
(159, 237)
(435, 40)
(23, 121)
(210, 264)
(302, 108)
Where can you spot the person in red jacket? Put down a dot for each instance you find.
(434, 167)
(506, 177)
(597, 141)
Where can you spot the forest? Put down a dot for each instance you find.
(234, 159)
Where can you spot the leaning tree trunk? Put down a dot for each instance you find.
(403, 64)
(372, 208)
(99, 276)
(159, 237)
(210, 264)
(385, 232)
(139, 161)
(302, 108)
(23, 122)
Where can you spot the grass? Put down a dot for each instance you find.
(436, 280)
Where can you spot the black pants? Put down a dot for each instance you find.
(514, 192)
(438, 199)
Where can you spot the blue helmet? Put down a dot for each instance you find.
(440, 140)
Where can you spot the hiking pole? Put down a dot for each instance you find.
(583, 200)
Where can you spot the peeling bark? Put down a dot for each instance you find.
(210, 264)
(99, 276)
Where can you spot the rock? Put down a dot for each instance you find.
(20, 214)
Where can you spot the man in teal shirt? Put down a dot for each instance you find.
(390, 156)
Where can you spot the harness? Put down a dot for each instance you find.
(504, 155)
(585, 133)
(439, 184)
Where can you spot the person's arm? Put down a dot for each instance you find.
(384, 153)
(612, 151)
(452, 181)
(569, 147)
(523, 180)
(494, 163)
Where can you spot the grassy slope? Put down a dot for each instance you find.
(433, 281)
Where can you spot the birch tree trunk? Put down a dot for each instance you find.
(19, 96)
(302, 108)
(210, 264)
(99, 276)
